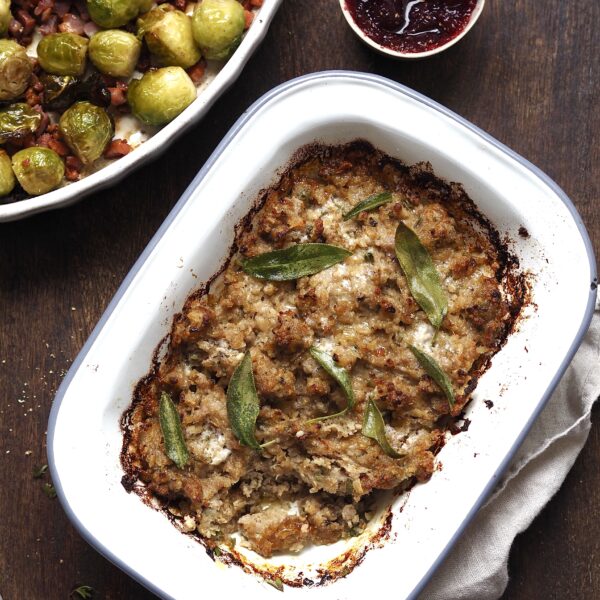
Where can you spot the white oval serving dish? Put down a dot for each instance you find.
(84, 436)
(217, 80)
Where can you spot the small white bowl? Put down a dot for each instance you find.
(410, 55)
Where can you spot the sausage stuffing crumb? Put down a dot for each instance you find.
(319, 481)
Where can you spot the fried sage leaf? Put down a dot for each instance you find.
(374, 427)
(276, 583)
(436, 373)
(294, 262)
(370, 203)
(170, 426)
(341, 376)
(243, 403)
(421, 274)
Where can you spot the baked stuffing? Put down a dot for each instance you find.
(315, 482)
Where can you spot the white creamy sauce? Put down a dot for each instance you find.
(35, 40)
(422, 334)
(210, 446)
(294, 509)
(327, 344)
(129, 128)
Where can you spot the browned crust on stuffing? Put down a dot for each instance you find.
(440, 212)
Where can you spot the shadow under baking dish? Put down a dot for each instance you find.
(84, 437)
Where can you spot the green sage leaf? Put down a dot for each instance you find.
(341, 376)
(83, 591)
(243, 403)
(39, 472)
(170, 425)
(436, 373)
(370, 203)
(276, 583)
(294, 262)
(374, 428)
(422, 276)
(49, 490)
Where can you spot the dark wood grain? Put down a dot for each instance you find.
(526, 74)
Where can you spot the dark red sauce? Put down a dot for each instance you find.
(411, 25)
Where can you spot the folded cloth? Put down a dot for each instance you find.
(476, 568)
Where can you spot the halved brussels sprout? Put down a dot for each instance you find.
(168, 34)
(17, 121)
(113, 13)
(63, 53)
(38, 170)
(159, 96)
(115, 52)
(15, 70)
(7, 176)
(87, 129)
(218, 26)
(60, 91)
(5, 16)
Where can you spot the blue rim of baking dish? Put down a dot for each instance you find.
(239, 124)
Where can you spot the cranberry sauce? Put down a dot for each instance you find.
(411, 25)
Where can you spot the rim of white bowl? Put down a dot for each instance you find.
(410, 55)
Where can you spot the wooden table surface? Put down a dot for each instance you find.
(525, 74)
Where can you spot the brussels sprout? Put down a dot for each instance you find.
(17, 121)
(60, 91)
(38, 170)
(218, 26)
(168, 34)
(15, 70)
(87, 129)
(145, 5)
(63, 53)
(115, 52)
(112, 13)
(159, 96)
(7, 177)
(5, 16)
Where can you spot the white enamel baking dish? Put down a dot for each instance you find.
(218, 79)
(84, 439)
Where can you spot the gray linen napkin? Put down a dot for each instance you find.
(476, 568)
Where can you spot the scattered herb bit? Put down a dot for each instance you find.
(217, 551)
(421, 274)
(341, 376)
(83, 591)
(39, 472)
(369, 257)
(276, 583)
(436, 373)
(374, 428)
(170, 425)
(243, 404)
(370, 203)
(49, 490)
(294, 262)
